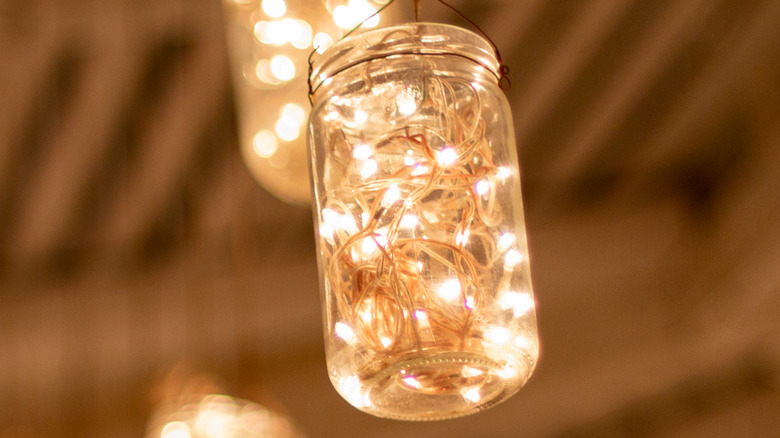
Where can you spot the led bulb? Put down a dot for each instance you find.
(274, 8)
(265, 143)
(195, 415)
(282, 68)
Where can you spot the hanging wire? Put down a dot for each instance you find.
(503, 71)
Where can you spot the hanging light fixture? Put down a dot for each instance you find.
(269, 42)
(428, 305)
(191, 406)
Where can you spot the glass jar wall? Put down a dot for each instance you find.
(428, 306)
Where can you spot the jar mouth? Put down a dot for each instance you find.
(403, 39)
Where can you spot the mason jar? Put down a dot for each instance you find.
(423, 261)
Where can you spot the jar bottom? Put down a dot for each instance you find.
(441, 386)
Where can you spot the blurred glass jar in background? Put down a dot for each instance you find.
(269, 43)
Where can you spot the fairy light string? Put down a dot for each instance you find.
(422, 252)
(411, 242)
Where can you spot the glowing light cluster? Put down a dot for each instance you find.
(288, 127)
(298, 33)
(353, 13)
(420, 238)
(421, 258)
(218, 416)
(351, 389)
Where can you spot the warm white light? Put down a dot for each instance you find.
(287, 129)
(412, 382)
(522, 342)
(360, 117)
(274, 33)
(385, 341)
(508, 372)
(372, 22)
(263, 72)
(302, 37)
(447, 157)
(469, 302)
(471, 372)
(421, 316)
(322, 41)
(331, 115)
(355, 13)
(344, 17)
(361, 11)
(327, 231)
(506, 241)
(420, 169)
(291, 29)
(330, 217)
(482, 187)
(497, 335)
(513, 258)
(450, 290)
(365, 315)
(462, 237)
(330, 223)
(260, 31)
(175, 429)
(519, 303)
(350, 390)
(344, 332)
(264, 143)
(471, 394)
(347, 223)
(212, 423)
(406, 105)
(362, 151)
(409, 220)
(274, 8)
(504, 172)
(294, 112)
(282, 68)
(392, 194)
(369, 246)
(368, 168)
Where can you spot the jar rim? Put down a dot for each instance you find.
(413, 39)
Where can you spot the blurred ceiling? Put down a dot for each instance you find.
(132, 237)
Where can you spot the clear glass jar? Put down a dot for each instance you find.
(428, 306)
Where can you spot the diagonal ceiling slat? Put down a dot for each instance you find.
(755, 42)
(176, 124)
(680, 22)
(51, 211)
(29, 150)
(581, 39)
